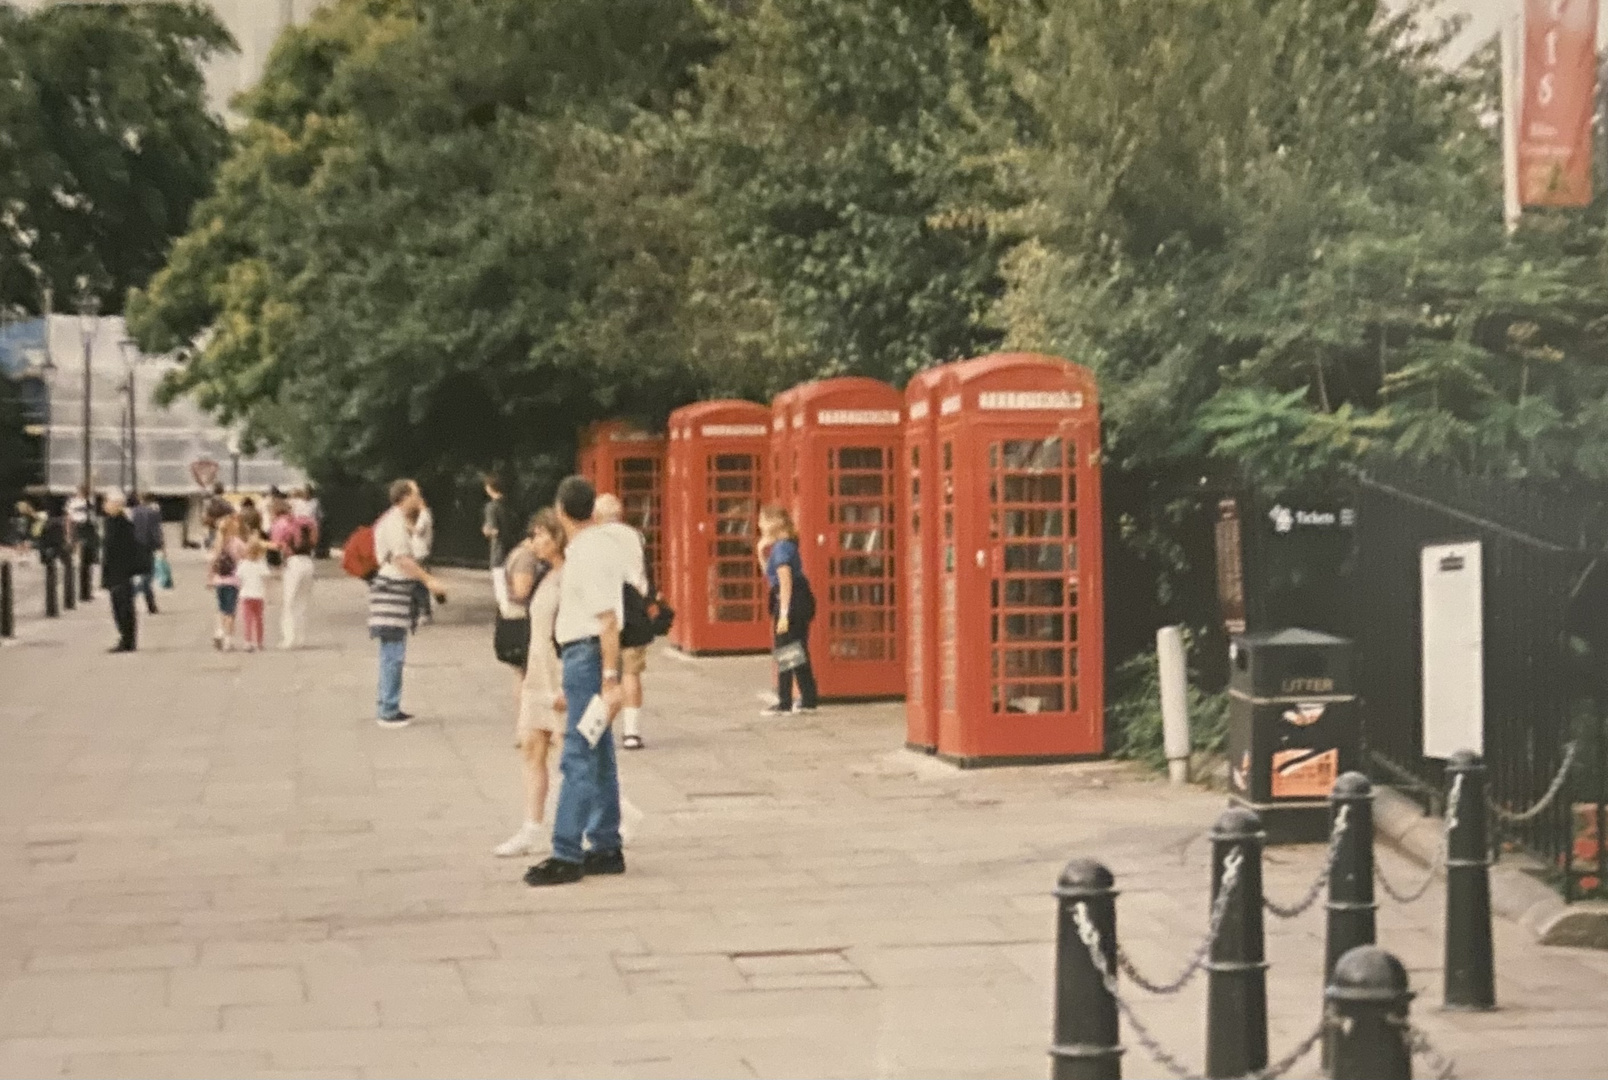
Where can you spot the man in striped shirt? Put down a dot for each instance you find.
(391, 596)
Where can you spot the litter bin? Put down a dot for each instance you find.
(1292, 728)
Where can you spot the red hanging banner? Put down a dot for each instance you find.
(1560, 89)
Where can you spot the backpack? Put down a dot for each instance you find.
(303, 543)
(645, 617)
(357, 554)
(223, 564)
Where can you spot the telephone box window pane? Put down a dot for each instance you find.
(636, 465)
(864, 595)
(949, 456)
(861, 540)
(863, 621)
(734, 462)
(1038, 523)
(1032, 454)
(949, 549)
(1026, 627)
(732, 549)
(993, 593)
(860, 457)
(741, 508)
(915, 457)
(1034, 592)
(734, 569)
(734, 527)
(1041, 558)
(860, 514)
(727, 590)
(860, 485)
(993, 455)
(1072, 556)
(1034, 698)
(1072, 662)
(861, 566)
(1033, 489)
(1033, 663)
(734, 483)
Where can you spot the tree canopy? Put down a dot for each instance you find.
(106, 142)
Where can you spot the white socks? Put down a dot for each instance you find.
(629, 718)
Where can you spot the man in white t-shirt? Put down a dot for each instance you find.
(391, 596)
(610, 516)
(586, 826)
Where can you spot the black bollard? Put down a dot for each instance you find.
(1470, 962)
(1351, 904)
(1368, 1000)
(51, 610)
(1236, 991)
(68, 601)
(1087, 1044)
(8, 625)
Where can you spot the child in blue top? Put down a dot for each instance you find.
(792, 606)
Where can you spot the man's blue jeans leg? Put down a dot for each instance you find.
(393, 653)
(589, 799)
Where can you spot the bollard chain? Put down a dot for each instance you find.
(1442, 1066)
(1090, 936)
(1340, 821)
(1519, 817)
(1409, 896)
(1231, 870)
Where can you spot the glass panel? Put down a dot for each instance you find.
(1032, 454)
(949, 456)
(728, 570)
(1044, 558)
(861, 540)
(636, 483)
(1035, 627)
(1033, 489)
(734, 526)
(635, 465)
(861, 514)
(915, 456)
(731, 549)
(1034, 698)
(873, 648)
(868, 595)
(734, 462)
(859, 457)
(727, 590)
(1072, 662)
(1034, 592)
(861, 566)
(1033, 522)
(993, 455)
(1072, 556)
(993, 593)
(863, 621)
(1033, 663)
(861, 485)
(735, 507)
(734, 483)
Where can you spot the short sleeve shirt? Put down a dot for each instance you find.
(783, 553)
(392, 540)
(633, 556)
(591, 586)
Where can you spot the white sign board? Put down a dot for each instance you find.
(1454, 649)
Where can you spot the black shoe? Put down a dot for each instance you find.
(777, 710)
(400, 720)
(553, 872)
(802, 708)
(120, 648)
(601, 862)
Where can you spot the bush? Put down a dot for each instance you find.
(1134, 713)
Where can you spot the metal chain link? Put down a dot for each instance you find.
(1231, 871)
(1340, 821)
(1409, 896)
(1090, 935)
(1519, 817)
(1418, 1042)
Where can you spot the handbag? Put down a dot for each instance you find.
(162, 570)
(510, 639)
(790, 657)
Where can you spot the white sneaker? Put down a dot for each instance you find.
(527, 841)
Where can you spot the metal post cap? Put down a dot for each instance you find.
(1351, 786)
(1238, 823)
(1465, 761)
(1368, 973)
(1085, 879)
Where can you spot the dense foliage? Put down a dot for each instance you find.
(106, 142)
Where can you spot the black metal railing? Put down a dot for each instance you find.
(1545, 650)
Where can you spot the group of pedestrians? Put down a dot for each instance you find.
(245, 551)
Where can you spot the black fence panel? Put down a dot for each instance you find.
(1545, 559)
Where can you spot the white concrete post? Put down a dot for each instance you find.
(1174, 702)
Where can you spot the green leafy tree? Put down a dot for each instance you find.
(106, 142)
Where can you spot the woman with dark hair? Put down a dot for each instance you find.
(541, 695)
(792, 607)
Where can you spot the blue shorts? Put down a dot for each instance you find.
(228, 598)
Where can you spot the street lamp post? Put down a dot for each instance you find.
(131, 358)
(88, 308)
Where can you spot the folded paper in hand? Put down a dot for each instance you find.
(594, 721)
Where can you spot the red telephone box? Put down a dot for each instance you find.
(842, 442)
(619, 457)
(920, 559)
(718, 464)
(1020, 628)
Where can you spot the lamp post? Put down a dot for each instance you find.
(131, 359)
(88, 309)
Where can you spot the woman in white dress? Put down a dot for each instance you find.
(541, 698)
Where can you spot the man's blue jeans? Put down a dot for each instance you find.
(393, 653)
(589, 800)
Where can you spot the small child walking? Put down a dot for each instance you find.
(254, 572)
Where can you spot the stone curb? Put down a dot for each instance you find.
(1515, 893)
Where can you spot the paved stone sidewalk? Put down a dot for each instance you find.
(216, 864)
